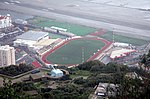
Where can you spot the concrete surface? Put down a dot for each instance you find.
(99, 15)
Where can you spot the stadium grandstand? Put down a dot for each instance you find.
(33, 35)
(59, 31)
(34, 40)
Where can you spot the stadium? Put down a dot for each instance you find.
(76, 51)
(71, 44)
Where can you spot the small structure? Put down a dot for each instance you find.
(20, 21)
(106, 89)
(5, 21)
(124, 45)
(133, 75)
(49, 74)
(121, 53)
(56, 73)
(59, 29)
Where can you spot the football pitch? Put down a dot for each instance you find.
(79, 30)
(124, 39)
(75, 51)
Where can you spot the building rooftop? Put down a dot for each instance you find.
(4, 16)
(121, 44)
(120, 53)
(33, 35)
(57, 71)
(45, 42)
(102, 89)
(6, 47)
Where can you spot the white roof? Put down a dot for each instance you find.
(6, 47)
(33, 35)
(58, 28)
(45, 42)
(100, 94)
(25, 42)
(121, 44)
(120, 53)
(57, 71)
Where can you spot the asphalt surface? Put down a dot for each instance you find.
(123, 20)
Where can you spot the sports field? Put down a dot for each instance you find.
(73, 28)
(124, 39)
(71, 53)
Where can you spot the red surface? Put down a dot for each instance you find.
(123, 53)
(44, 57)
(36, 64)
(98, 33)
(107, 44)
(3, 17)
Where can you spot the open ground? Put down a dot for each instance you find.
(79, 30)
(108, 35)
(98, 15)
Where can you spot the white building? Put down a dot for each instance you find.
(30, 38)
(5, 21)
(106, 89)
(119, 53)
(7, 56)
(62, 31)
(118, 44)
(21, 21)
(56, 73)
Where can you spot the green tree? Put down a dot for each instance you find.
(8, 91)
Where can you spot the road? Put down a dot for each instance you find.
(124, 20)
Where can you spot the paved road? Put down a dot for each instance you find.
(124, 20)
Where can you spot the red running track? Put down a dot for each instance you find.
(44, 57)
(107, 44)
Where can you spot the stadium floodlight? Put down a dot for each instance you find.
(82, 54)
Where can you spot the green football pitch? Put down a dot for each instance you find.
(73, 28)
(72, 53)
(124, 39)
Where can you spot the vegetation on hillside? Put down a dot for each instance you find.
(146, 60)
(10, 91)
(14, 70)
(80, 87)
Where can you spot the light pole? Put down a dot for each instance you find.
(113, 35)
(68, 27)
(82, 54)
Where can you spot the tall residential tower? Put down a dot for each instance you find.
(7, 56)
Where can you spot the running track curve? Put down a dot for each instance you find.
(107, 44)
